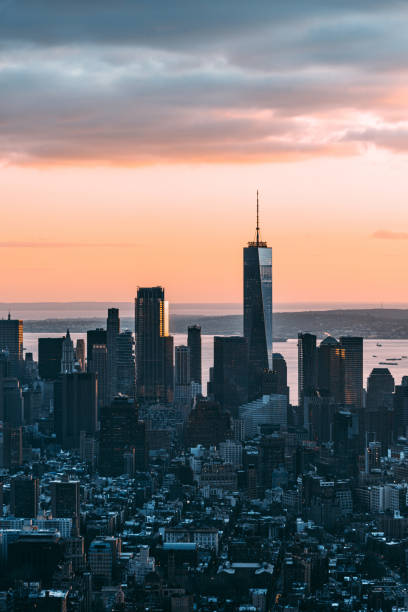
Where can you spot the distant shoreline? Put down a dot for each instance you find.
(369, 323)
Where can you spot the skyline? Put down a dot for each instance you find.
(156, 133)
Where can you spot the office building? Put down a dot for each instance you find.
(267, 410)
(258, 309)
(125, 364)
(94, 336)
(208, 424)
(281, 375)
(112, 333)
(24, 496)
(194, 344)
(11, 402)
(80, 354)
(331, 359)
(11, 340)
(68, 355)
(99, 366)
(65, 500)
(12, 447)
(307, 366)
(401, 410)
(75, 407)
(230, 375)
(49, 357)
(182, 376)
(121, 433)
(154, 346)
(353, 370)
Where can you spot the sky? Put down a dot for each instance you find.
(134, 135)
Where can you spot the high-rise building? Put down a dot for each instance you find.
(380, 387)
(112, 333)
(353, 370)
(4, 364)
(182, 376)
(208, 424)
(68, 355)
(98, 364)
(24, 496)
(154, 345)
(11, 402)
(194, 344)
(80, 354)
(65, 500)
(331, 357)
(258, 309)
(11, 340)
(121, 433)
(75, 407)
(230, 382)
(401, 410)
(12, 447)
(377, 417)
(125, 364)
(94, 336)
(307, 366)
(281, 374)
(49, 357)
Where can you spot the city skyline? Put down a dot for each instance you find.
(160, 133)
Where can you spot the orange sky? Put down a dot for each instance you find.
(133, 139)
(98, 232)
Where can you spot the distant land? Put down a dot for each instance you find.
(369, 323)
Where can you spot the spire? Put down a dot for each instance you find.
(257, 217)
(257, 242)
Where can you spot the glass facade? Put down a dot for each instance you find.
(258, 311)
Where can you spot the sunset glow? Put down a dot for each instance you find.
(134, 159)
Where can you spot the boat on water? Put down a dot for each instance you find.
(379, 344)
(393, 359)
(389, 363)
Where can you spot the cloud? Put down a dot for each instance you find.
(158, 82)
(388, 235)
(58, 245)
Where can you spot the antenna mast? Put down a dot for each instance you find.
(257, 217)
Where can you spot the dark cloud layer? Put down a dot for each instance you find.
(143, 82)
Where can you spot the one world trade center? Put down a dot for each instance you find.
(258, 308)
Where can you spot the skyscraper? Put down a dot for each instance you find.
(98, 364)
(49, 357)
(307, 366)
(75, 407)
(112, 333)
(230, 384)
(125, 364)
(194, 344)
(24, 496)
(93, 336)
(68, 355)
(154, 345)
(80, 354)
(353, 370)
(11, 340)
(182, 376)
(121, 434)
(258, 309)
(65, 498)
(331, 368)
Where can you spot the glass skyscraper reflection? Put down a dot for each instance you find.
(258, 310)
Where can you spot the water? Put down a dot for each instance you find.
(373, 355)
(67, 310)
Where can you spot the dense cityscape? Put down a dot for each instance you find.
(125, 485)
